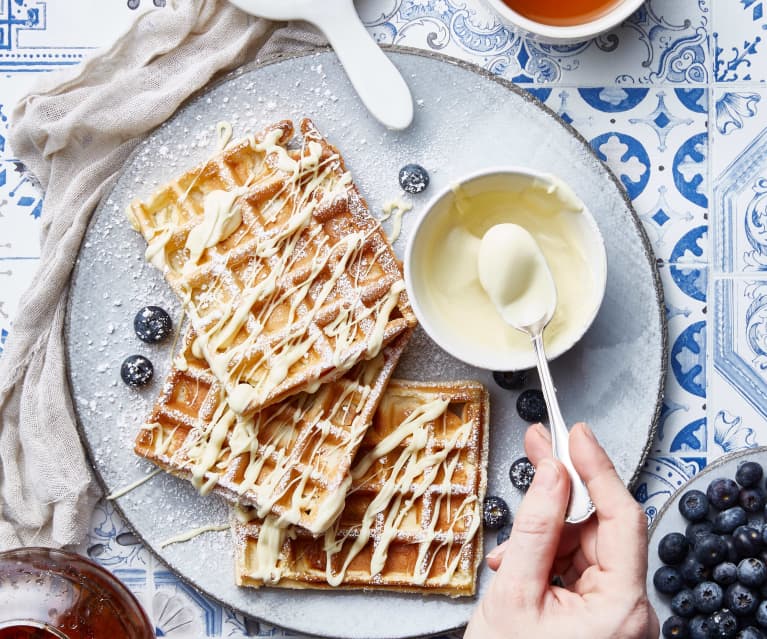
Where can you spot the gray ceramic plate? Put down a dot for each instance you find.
(669, 520)
(465, 120)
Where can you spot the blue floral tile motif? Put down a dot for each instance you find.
(111, 544)
(731, 435)
(661, 477)
(662, 121)
(689, 169)
(613, 99)
(738, 40)
(627, 157)
(3, 337)
(688, 359)
(732, 109)
(740, 210)
(178, 610)
(740, 338)
(661, 42)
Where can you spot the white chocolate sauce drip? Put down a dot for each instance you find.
(194, 532)
(126, 489)
(396, 208)
(223, 134)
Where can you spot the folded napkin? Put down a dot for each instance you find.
(74, 133)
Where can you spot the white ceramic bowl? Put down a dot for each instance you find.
(420, 253)
(569, 34)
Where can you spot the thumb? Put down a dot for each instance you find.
(532, 546)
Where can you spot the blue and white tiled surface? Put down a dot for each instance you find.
(674, 100)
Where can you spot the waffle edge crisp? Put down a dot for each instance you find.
(286, 277)
(290, 459)
(418, 481)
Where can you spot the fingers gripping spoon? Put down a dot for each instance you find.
(377, 81)
(514, 273)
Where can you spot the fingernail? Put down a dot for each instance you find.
(547, 474)
(588, 432)
(542, 431)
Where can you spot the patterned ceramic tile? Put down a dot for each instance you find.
(682, 428)
(38, 36)
(738, 34)
(739, 340)
(655, 141)
(739, 162)
(665, 41)
(735, 422)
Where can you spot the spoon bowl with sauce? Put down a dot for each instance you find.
(514, 274)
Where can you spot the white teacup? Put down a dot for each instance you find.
(566, 34)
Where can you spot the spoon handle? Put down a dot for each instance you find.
(580, 507)
(377, 81)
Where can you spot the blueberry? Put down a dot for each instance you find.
(413, 178)
(693, 572)
(693, 505)
(710, 550)
(675, 628)
(749, 632)
(751, 500)
(521, 473)
(673, 548)
(152, 324)
(136, 371)
(747, 541)
(700, 627)
(514, 380)
(752, 572)
(749, 474)
(728, 520)
(722, 493)
(741, 600)
(667, 580)
(761, 614)
(698, 529)
(683, 603)
(531, 406)
(503, 534)
(723, 625)
(725, 573)
(708, 597)
(496, 512)
(732, 552)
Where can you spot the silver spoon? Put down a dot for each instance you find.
(514, 273)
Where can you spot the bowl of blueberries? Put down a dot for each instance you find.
(707, 576)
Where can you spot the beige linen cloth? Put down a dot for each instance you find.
(74, 133)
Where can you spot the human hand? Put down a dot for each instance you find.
(602, 562)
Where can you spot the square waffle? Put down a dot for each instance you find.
(285, 275)
(413, 517)
(290, 459)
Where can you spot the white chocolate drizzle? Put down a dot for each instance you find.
(194, 532)
(116, 494)
(296, 272)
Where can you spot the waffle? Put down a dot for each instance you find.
(290, 459)
(286, 277)
(412, 520)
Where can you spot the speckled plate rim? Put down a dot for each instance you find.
(525, 95)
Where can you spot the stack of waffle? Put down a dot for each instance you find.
(280, 399)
